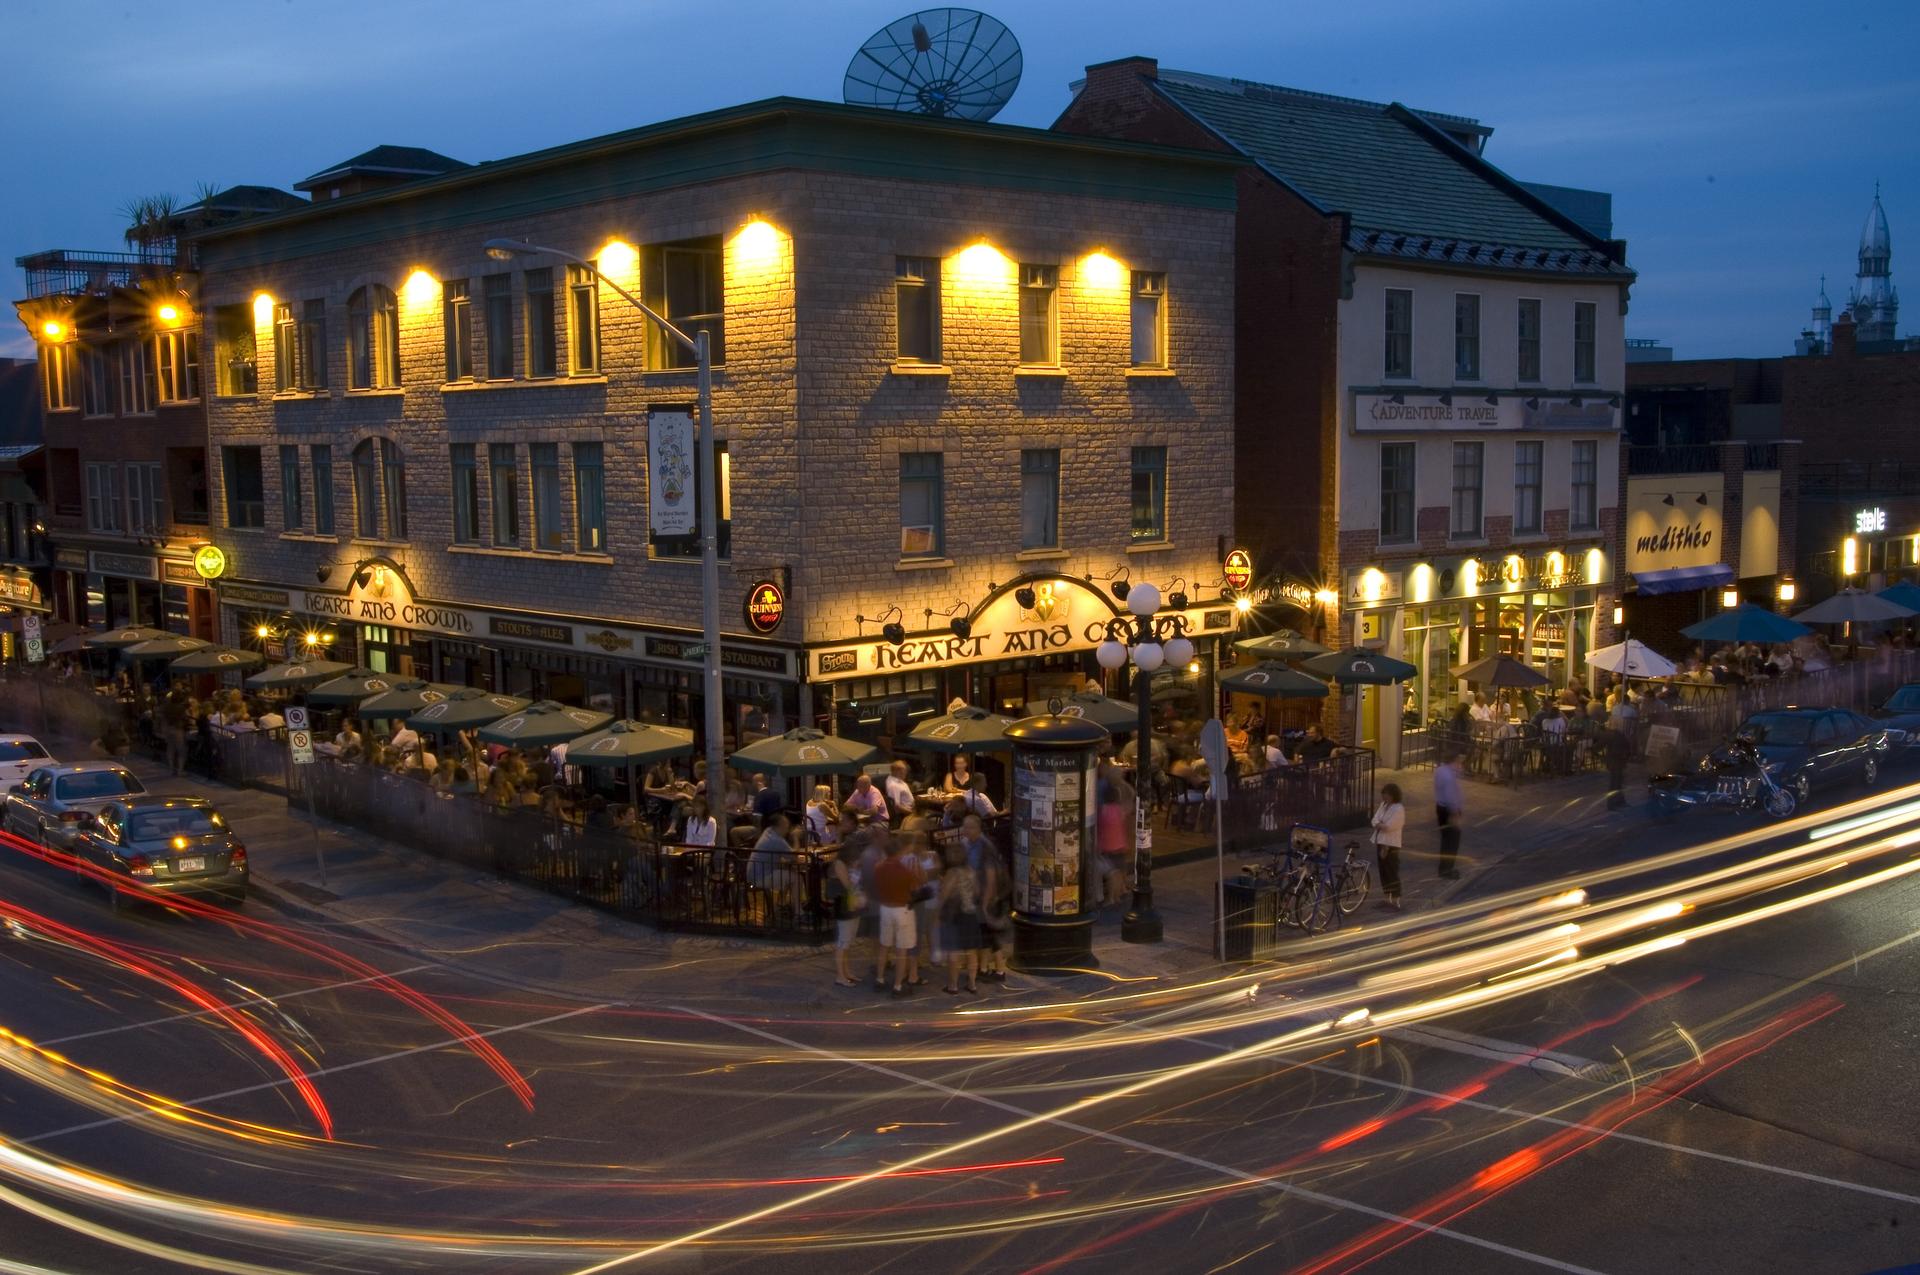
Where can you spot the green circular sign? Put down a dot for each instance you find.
(210, 561)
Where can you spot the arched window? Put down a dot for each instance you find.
(373, 335)
(379, 490)
(366, 490)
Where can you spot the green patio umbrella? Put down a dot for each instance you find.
(543, 723)
(164, 648)
(1358, 666)
(403, 699)
(465, 709)
(114, 639)
(285, 677)
(804, 751)
(217, 659)
(1092, 706)
(629, 743)
(962, 729)
(1282, 645)
(1499, 670)
(1271, 679)
(350, 687)
(72, 644)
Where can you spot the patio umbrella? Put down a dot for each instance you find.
(168, 647)
(60, 630)
(1906, 595)
(1746, 623)
(350, 687)
(1499, 670)
(114, 639)
(72, 644)
(1358, 666)
(963, 729)
(217, 659)
(1853, 606)
(404, 699)
(629, 743)
(1282, 645)
(464, 709)
(1631, 658)
(283, 677)
(1273, 680)
(1112, 714)
(804, 751)
(543, 723)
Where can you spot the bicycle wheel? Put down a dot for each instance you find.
(1296, 905)
(1350, 891)
(1320, 909)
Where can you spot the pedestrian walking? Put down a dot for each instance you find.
(1389, 824)
(843, 895)
(996, 918)
(1113, 831)
(1615, 749)
(895, 882)
(959, 904)
(1449, 807)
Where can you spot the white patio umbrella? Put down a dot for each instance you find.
(1631, 658)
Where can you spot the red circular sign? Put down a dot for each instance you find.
(766, 606)
(1238, 569)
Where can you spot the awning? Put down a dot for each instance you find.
(14, 487)
(1683, 579)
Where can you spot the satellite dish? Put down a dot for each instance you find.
(959, 63)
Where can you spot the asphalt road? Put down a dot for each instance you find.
(1739, 1103)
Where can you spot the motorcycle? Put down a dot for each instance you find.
(1732, 778)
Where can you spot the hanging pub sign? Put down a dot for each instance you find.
(766, 606)
(210, 561)
(670, 472)
(1238, 570)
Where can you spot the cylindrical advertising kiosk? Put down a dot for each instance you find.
(1054, 763)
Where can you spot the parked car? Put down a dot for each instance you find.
(1808, 748)
(47, 806)
(1900, 715)
(165, 845)
(19, 756)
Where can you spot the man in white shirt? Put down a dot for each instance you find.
(1275, 757)
(867, 800)
(899, 791)
(1481, 713)
(404, 740)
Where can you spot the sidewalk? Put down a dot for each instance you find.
(519, 936)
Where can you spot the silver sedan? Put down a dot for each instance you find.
(46, 807)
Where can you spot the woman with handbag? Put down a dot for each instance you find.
(1389, 822)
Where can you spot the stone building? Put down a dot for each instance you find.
(966, 375)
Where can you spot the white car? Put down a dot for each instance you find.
(19, 755)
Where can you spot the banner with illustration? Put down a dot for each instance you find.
(670, 472)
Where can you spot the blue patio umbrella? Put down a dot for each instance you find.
(1906, 595)
(1748, 623)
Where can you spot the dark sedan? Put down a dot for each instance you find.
(1808, 748)
(164, 845)
(1901, 716)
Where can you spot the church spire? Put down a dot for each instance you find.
(1875, 304)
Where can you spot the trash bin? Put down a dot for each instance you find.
(1253, 916)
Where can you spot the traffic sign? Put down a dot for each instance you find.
(1213, 751)
(30, 626)
(36, 650)
(302, 745)
(296, 717)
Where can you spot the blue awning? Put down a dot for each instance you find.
(1683, 579)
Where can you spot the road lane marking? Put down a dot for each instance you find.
(1501, 1051)
(240, 1004)
(1119, 1139)
(324, 1071)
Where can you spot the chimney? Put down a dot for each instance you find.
(1103, 74)
(1843, 335)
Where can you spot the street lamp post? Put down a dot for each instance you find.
(1149, 643)
(697, 344)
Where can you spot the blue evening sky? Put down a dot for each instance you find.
(1741, 138)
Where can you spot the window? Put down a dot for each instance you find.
(1527, 362)
(916, 300)
(685, 282)
(373, 339)
(1149, 494)
(322, 454)
(1040, 499)
(1399, 357)
(313, 345)
(1526, 488)
(57, 375)
(176, 357)
(96, 381)
(590, 497)
(922, 505)
(548, 515)
(1149, 318)
(456, 312)
(499, 331)
(583, 320)
(1039, 315)
(393, 486)
(466, 495)
(1396, 492)
(1583, 319)
(290, 512)
(103, 497)
(1466, 337)
(506, 495)
(688, 546)
(1467, 460)
(366, 490)
(233, 350)
(541, 352)
(1585, 514)
(246, 487)
(137, 388)
(145, 511)
(286, 348)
